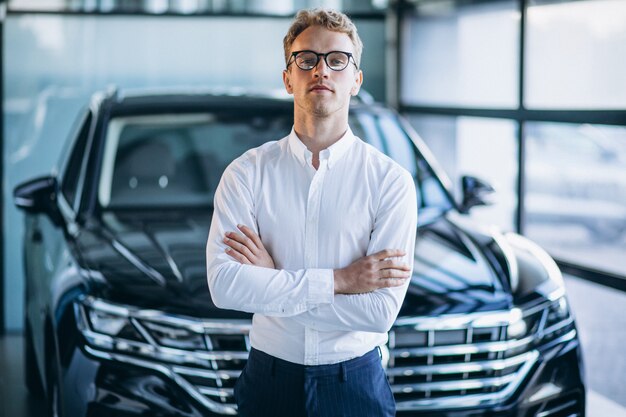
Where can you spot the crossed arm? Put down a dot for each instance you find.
(366, 274)
(365, 295)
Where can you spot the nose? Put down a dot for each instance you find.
(321, 69)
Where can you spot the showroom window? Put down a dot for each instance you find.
(576, 192)
(87, 48)
(283, 7)
(596, 44)
(465, 57)
(529, 96)
(481, 147)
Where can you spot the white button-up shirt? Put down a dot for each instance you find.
(358, 202)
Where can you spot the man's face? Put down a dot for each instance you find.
(321, 91)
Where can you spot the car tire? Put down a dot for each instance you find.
(32, 376)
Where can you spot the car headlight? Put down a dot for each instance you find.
(558, 320)
(115, 327)
(175, 337)
(542, 323)
(559, 311)
(107, 323)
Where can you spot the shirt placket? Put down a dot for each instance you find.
(311, 230)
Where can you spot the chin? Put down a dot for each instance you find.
(327, 108)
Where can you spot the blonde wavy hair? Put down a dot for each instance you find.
(327, 18)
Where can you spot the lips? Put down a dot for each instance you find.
(320, 87)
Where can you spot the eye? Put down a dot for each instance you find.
(306, 59)
(338, 59)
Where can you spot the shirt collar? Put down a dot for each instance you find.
(332, 154)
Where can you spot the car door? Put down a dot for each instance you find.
(45, 245)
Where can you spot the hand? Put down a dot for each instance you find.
(247, 248)
(371, 273)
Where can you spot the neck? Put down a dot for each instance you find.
(318, 133)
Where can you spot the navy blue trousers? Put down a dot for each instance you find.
(271, 387)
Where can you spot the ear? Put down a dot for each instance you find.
(287, 81)
(358, 81)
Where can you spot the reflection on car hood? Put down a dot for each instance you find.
(157, 260)
(152, 259)
(455, 271)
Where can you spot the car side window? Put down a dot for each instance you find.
(363, 126)
(431, 198)
(398, 145)
(71, 176)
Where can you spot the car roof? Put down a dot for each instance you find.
(129, 101)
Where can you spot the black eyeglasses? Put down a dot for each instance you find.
(307, 60)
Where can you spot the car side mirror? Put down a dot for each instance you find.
(476, 192)
(39, 196)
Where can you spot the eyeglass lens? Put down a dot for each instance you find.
(336, 61)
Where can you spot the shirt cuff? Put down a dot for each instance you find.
(321, 286)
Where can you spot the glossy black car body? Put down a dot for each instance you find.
(119, 320)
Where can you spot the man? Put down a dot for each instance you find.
(315, 234)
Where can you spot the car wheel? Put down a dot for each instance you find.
(32, 377)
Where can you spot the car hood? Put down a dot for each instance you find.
(458, 269)
(157, 261)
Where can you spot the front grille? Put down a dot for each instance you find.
(449, 361)
(455, 361)
(227, 360)
(426, 368)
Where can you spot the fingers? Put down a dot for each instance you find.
(243, 240)
(388, 253)
(238, 256)
(247, 248)
(393, 264)
(394, 273)
(393, 282)
(251, 235)
(239, 247)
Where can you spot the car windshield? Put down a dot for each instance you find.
(178, 159)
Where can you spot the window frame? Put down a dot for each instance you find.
(85, 121)
(520, 115)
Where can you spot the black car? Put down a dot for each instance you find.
(119, 320)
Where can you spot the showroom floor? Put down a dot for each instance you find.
(599, 313)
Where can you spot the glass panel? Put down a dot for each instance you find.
(195, 6)
(431, 196)
(576, 192)
(84, 54)
(177, 159)
(399, 147)
(466, 56)
(71, 177)
(575, 55)
(485, 148)
(372, 33)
